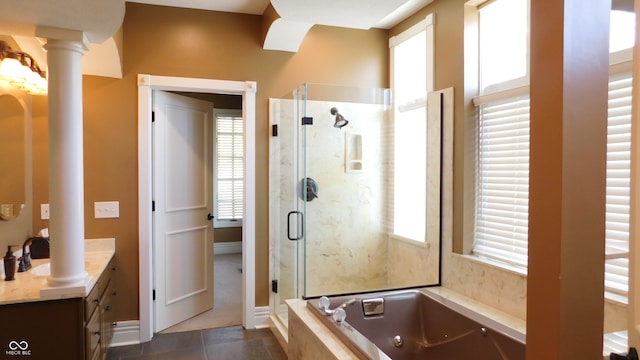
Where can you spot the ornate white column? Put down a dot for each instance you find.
(66, 172)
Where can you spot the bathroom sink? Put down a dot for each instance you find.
(42, 270)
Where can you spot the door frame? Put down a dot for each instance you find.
(247, 89)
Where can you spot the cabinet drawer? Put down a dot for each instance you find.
(91, 302)
(106, 317)
(92, 335)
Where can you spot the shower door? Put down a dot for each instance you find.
(287, 207)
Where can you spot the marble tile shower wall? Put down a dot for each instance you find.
(346, 241)
(346, 249)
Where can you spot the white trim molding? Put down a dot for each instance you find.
(126, 333)
(262, 317)
(146, 85)
(234, 247)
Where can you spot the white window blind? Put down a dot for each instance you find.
(502, 204)
(229, 169)
(618, 184)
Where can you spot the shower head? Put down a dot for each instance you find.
(340, 120)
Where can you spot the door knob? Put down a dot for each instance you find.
(209, 216)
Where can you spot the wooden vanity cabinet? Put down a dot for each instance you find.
(43, 330)
(98, 316)
(71, 329)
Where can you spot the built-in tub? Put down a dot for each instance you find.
(427, 324)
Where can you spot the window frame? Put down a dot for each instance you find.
(427, 26)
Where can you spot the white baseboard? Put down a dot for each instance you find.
(234, 247)
(126, 333)
(261, 315)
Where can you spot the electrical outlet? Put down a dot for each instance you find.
(44, 211)
(107, 209)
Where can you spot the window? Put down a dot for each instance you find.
(501, 222)
(621, 40)
(618, 184)
(502, 193)
(228, 168)
(504, 45)
(412, 78)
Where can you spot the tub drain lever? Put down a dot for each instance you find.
(373, 307)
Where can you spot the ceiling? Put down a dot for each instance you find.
(100, 21)
(253, 7)
(344, 12)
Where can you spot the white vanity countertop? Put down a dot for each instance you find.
(28, 287)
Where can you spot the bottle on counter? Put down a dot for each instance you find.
(9, 265)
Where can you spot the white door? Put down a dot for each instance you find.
(182, 185)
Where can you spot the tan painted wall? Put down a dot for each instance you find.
(201, 44)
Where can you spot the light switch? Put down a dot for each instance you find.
(44, 211)
(107, 209)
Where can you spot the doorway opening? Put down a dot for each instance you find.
(146, 85)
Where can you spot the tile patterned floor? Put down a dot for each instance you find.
(230, 343)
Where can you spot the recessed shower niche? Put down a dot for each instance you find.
(345, 241)
(354, 160)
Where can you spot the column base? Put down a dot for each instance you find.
(79, 287)
(68, 281)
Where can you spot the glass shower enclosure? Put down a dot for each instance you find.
(331, 198)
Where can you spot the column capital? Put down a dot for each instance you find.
(52, 33)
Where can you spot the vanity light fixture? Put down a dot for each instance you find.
(21, 70)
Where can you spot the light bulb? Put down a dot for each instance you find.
(31, 81)
(10, 70)
(21, 75)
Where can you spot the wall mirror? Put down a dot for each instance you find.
(12, 157)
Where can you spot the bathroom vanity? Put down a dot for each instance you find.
(71, 323)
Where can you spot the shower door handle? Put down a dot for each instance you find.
(297, 235)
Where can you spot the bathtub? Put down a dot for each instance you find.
(417, 325)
